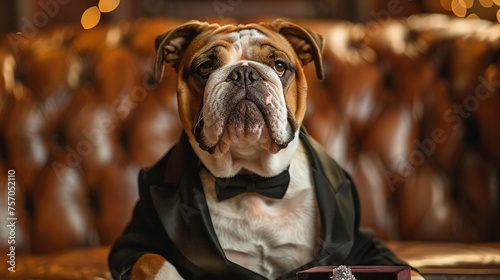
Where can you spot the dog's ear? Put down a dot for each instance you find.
(170, 46)
(307, 44)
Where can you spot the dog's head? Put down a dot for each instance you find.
(241, 89)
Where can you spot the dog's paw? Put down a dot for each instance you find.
(416, 276)
(154, 267)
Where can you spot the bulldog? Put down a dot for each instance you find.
(246, 193)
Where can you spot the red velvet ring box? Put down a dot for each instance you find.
(359, 272)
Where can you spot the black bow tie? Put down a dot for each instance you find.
(273, 187)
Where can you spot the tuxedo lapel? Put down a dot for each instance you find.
(181, 205)
(334, 197)
(337, 220)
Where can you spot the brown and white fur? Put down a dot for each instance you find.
(241, 94)
(265, 235)
(248, 122)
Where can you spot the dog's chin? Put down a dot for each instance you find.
(245, 131)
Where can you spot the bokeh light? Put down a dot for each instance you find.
(446, 4)
(486, 3)
(458, 8)
(106, 6)
(473, 9)
(92, 16)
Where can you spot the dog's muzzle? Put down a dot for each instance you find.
(245, 104)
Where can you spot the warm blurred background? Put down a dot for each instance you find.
(16, 14)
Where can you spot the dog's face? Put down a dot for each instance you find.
(241, 89)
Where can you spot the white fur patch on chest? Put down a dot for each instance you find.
(268, 236)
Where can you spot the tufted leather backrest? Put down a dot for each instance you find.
(408, 107)
(411, 102)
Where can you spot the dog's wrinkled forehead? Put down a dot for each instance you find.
(243, 39)
(239, 43)
(177, 47)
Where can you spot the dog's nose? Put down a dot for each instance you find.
(244, 75)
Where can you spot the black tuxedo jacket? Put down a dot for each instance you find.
(171, 219)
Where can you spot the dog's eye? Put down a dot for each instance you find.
(205, 69)
(280, 68)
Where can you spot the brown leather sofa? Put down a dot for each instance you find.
(410, 107)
